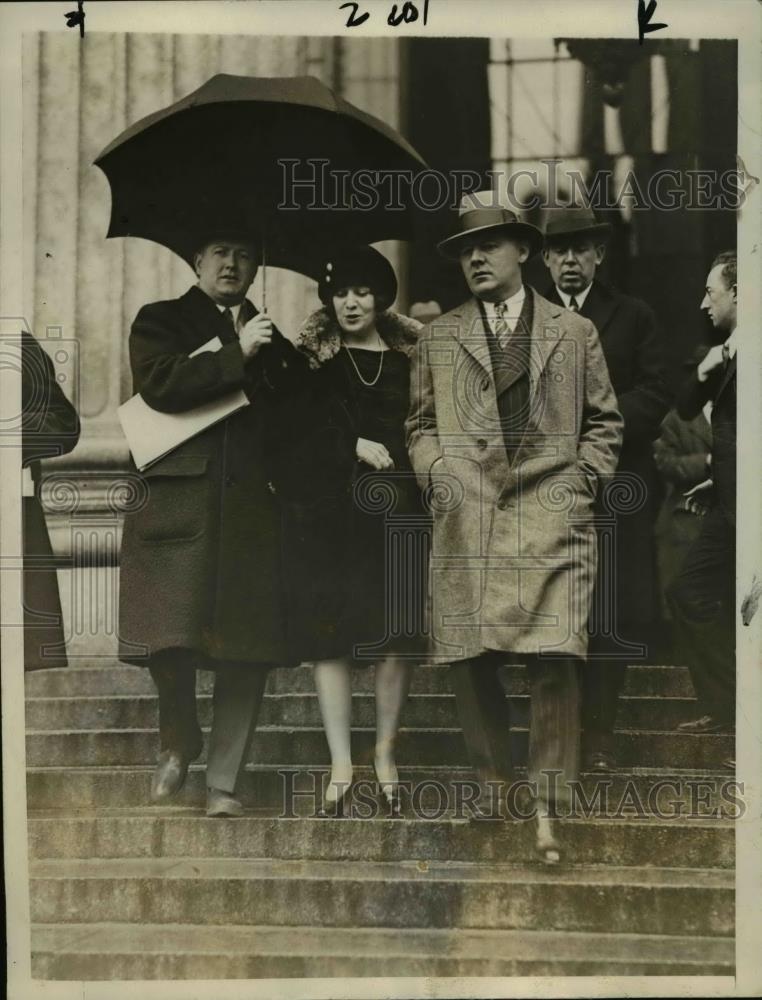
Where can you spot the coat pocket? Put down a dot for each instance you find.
(178, 499)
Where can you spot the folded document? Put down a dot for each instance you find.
(151, 435)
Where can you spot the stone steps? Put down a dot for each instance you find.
(155, 833)
(698, 794)
(108, 677)
(122, 889)
(600, 899)
(307, 747)
(197, 951)
(133, 711)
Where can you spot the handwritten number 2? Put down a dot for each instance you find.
(353, 21)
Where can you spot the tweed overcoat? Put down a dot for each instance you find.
(201, 556)
(50, 427)
(514, 548)
(628, 588)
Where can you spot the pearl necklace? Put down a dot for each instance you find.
(357, 370)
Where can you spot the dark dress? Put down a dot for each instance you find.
(363, 546)
(50, 427)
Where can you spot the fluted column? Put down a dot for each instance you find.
(83, 291)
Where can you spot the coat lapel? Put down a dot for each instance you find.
(599, 306)
(547, 330)
(727, 377)
(471, 333)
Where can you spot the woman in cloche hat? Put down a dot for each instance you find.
(360, 350)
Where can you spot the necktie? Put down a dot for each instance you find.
(227, 315)
(725, 356)
(573, 305)
(502, 330)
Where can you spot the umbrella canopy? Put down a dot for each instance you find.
(212, 163)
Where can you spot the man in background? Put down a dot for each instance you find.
(626, 600)
(702, 597)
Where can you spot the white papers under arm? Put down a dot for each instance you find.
(151, 434)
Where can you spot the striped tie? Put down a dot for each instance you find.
(502, 331)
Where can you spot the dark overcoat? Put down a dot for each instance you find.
(681, 453)
(720, 387)
(514, 550)
(201, 560)
(50, 427)
(631, 345)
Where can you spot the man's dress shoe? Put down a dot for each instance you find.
(219, 803)
(169, 776)
(705, 724)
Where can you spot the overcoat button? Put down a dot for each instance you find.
(481, 444)
(502, 504)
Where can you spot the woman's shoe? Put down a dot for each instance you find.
(547, 848)
(335, 808)
(389, 794)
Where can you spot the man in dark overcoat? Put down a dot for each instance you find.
(702, 597)
(626, 600)
(50, 427)
(513, 423)
(201, 569)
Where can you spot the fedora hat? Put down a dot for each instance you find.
(573, 220)
(481, 212)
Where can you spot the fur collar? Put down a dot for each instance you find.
(320, 337)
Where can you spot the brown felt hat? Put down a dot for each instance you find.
(480, 212)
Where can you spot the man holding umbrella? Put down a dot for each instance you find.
(201, 560)
(202, 575)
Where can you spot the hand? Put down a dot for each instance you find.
(374, 454)
(257, 333)
(712, 360)
(698, 499)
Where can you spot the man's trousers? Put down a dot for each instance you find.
(238, 692)
(702, 601)
(554, 724)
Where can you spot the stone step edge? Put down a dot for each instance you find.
(198, 813)
(460, 772)
(312, 696)
(110, 661)
(391, 942)
(376, 872)
(448, 730)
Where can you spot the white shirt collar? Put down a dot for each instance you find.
(513, 304)
(579, 296)
(235, 310)
(732, 343)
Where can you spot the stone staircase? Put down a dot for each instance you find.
(124, 890)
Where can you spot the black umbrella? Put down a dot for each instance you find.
(213, 162)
